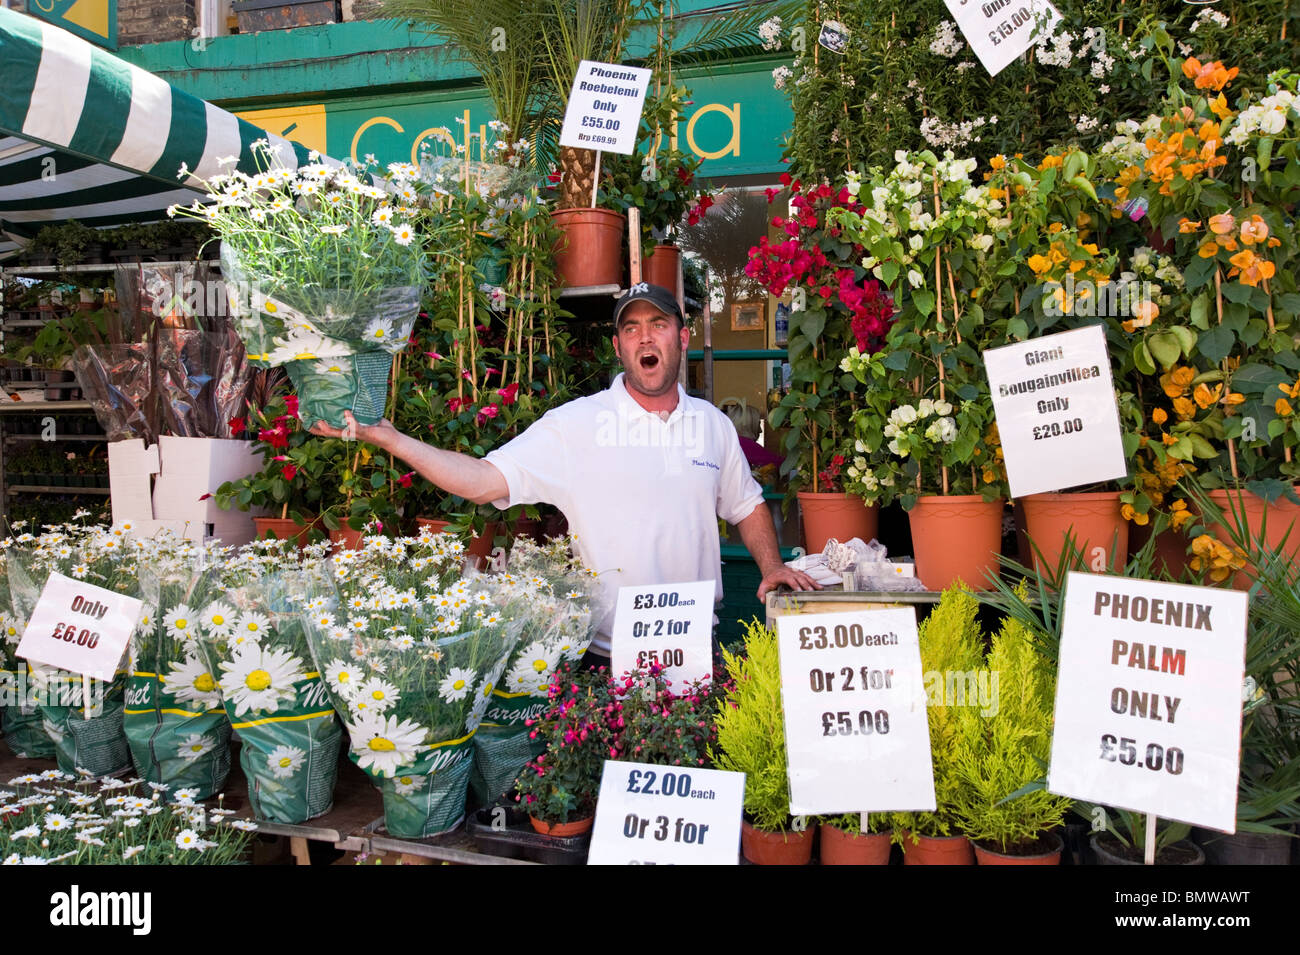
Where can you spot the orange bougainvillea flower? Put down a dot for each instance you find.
(1283, 408)
(1185, 408)
(1209, 76)
(1208, 131)
(1205, 396)
(1051, 162)
(1168, 439)
(1144, 313)
(1175, 382)
(1187, 226)
(1219, 106)
(1233, 398)
(1054, 227)
(1159, 416)
(1253, 230)
(1252, 268)
(998, 161)
(1040, 264)
(1208, 250)
(1223, 223)
(1228, 243)
(1179, 514)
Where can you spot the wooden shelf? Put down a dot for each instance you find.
(62, 437)
(44, 405)
(39, 270)
(51, 489)
(589, 291)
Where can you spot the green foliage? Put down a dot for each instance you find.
(951, 645)
(999, 753)
(751, 729)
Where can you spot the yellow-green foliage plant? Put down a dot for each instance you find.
(751, 729)
(951, 656)
(1003, 748)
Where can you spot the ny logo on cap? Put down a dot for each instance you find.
(638, 288)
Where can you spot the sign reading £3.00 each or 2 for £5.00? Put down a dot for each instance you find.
(856, 731)
(1149, 698)
(667, 815)
(1056, 412)
(79, 627)
(1000, 30)
(669, 625)
(604, 110)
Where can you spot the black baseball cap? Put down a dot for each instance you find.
(656, 295)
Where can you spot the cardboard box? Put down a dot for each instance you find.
(162, 486)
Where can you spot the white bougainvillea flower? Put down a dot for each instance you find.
(284, 761)
(260, 679)
(383, 744)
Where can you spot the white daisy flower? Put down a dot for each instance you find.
(218, 619)
(379, 331)
(284, 761)
(403, 234)
(382, 744)
(245, 824)
(188, 839)
(131, 851)
(192, 682)
(456, 685)
(30, 832)
(179, 622)
(195, 745)
(260, 679)
(406, 785)
(380, 695)
(252, 624)
(344, 678)
(56, 821)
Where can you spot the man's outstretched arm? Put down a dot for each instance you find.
(471, 478)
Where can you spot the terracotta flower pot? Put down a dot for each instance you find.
(776, 848)
(847, 848)
(434, 525)
(1051, 856)
(282, 528)
(937, 850)
(956, 537)
(1276, 524)
(575, 828)
(660, 267)
(347, 538)
(591, 250)
(842, 516)
(1093, 518)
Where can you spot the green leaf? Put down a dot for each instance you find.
(1236, 292)
(1165, 348)
(1200, 317)
(1199, 272)
(923, 299)
(377, 480)
(1216, 344)
(1142, 359)
(1186, 339)
(888, 272)
(897, 360)
(1202, 448)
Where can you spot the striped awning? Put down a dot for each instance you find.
(87, 136)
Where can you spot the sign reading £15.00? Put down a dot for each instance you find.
(856, 731)
(667, 815)
(1149, 698)
(79, 627)
(604, 110)
(1000, 30)
(1056, 412)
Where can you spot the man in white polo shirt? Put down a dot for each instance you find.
(642, 471)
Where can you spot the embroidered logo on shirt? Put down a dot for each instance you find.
(699, 463)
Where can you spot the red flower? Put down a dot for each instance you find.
(237, 425)
(277, 437)
(433, 356)
(684, 174)
(455, 404)
(785, 179)
(291, 405)
(405, 479)
(486, 412)
(290, 472)
(509, 393)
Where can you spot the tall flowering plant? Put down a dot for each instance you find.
(326, 263)
(836, 304)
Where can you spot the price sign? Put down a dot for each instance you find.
(604, 109)
(1056, 412)
(855, 726)
(667, 815)
(1148, 703)
(79, 627)
(670, 625)
(1000, 30)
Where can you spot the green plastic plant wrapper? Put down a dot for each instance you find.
(412, 675)
(24, 731)
(95, 743)
(20, 720)
(359, 385)
(178, 732)
(289, 732)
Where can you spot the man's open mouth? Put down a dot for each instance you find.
(649, 361)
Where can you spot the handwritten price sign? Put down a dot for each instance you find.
(79, 627)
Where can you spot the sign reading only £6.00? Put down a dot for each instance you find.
(79, 627)
(1055, 406)
(1149, 698)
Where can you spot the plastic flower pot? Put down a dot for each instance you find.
(776, 848)
(1244, 848)
(590, 252)
(1050, 856)
(956, 537)
(1107, 850)
(937, 850)
(660, 267)
(838, 847)
(841, 516)
(1093, 518)
(1276, 523)
(564, 829)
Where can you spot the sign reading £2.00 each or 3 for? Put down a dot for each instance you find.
(669, 625)
(1055, 406)
(855, 724)
(667, 815)
(1149, 697)
(1000, 30)
(79, 627)
(604, 110)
